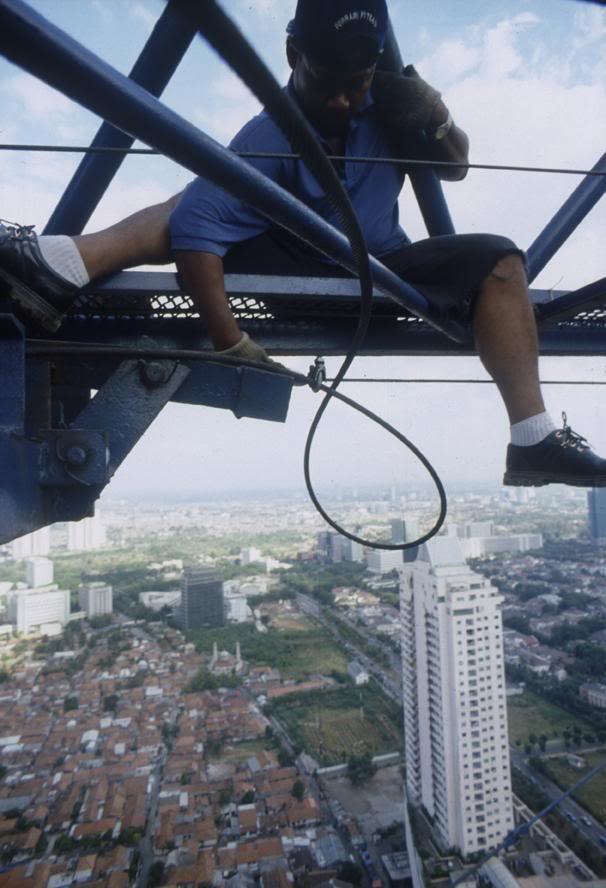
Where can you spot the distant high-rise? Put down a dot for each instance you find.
(457, 755)
(597, 515)
(86, 535)
(383, 561)
(39, 610)
(404, 530)
(96, 599)
(202, 603)
(31, 545)
(351, 551)
(330, 545)
(38, 572)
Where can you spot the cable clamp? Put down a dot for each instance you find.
(317, 374)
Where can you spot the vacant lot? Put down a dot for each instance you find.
(333, 725)
(593, 795)
(530, 714)
(297, 654)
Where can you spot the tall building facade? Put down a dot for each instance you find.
(31, 545)
(39, 610)
(96, 599)
(457, 755)
(38, 572)
(202, 602)
(383, 561)
(86, 535)
(597, 515)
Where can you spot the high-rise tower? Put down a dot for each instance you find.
(597, 515)
(457, 755)
(201, 599)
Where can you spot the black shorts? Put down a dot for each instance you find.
(448, 270)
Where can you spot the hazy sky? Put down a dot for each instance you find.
(526, 80)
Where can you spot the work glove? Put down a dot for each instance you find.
(248, 350)
(404, 101)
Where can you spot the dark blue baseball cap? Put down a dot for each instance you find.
(340, 34)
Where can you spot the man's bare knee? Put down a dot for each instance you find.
(508, 268)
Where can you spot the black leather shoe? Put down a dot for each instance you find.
(40, 292)
(563, 457)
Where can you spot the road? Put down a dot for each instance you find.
(593, 832)
(391, 687)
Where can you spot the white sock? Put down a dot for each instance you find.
(61, 253)
(532, 430)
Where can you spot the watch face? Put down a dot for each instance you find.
(443, 129)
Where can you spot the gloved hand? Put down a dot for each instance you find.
(248, 350)
(404, 101)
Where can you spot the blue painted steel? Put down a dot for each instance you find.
(570, 304)
(569, 216)
(161, 55)
(30, 41)
(426, 185)
(12, 374)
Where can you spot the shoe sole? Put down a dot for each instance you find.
(540, 479)
(31, 303)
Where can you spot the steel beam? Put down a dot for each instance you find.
(568, 217)
(161, 55)
(31, 42)
(425, 183)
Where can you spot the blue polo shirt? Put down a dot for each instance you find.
(209, 219)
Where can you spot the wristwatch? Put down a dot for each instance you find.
(443, 129)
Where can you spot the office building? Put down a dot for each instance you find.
(39, 610)
(96, 599)
(250, 556)
(202, 602)
(404, 530)
(383, 561)
(351, 551)
(457, 754)
(236, 606)
(480, 547)
(597, 515)
(31, 545)
(330, 546)
(38, 572)
(86, 535)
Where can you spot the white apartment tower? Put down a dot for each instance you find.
(457, 756)
(39, 610)
(32, 545)
(86, 535)
(96, 599)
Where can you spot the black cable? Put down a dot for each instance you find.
(413, 381)
(275, 155)
(225, 37)
(56, 349)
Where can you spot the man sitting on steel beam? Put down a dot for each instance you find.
(332, 48)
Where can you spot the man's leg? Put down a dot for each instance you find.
(43, 275)
(140, 239)
(507, 343)
(506, 338)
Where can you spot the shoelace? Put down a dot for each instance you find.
(16, 231)
(569, 438)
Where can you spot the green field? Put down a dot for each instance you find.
(593, 795)
(297, 654)
(530, 714)
(333, 725)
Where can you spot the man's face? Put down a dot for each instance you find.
(329, 98)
